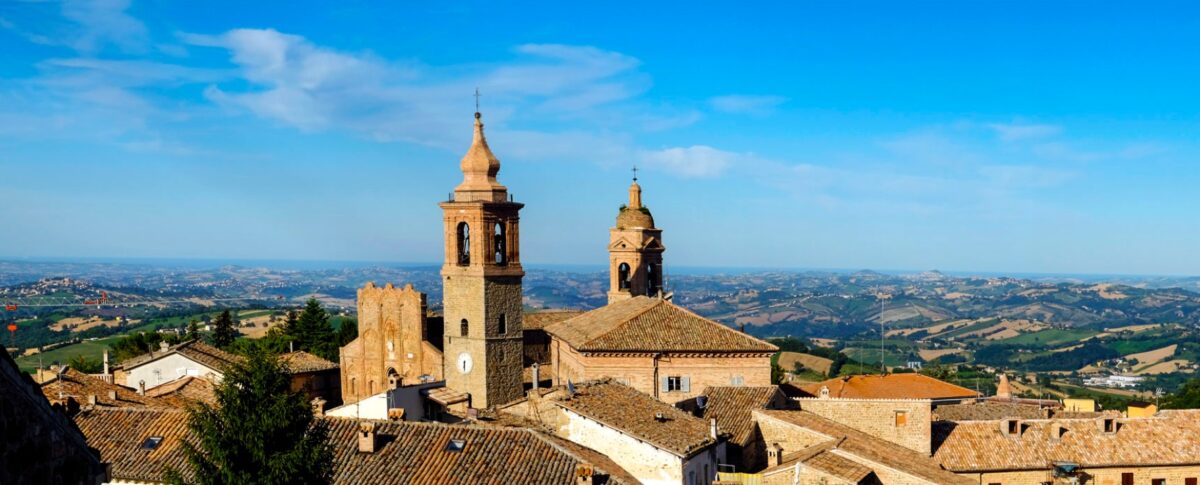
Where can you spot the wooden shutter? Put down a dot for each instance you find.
(665, 385)
(1189, 481)
(685, 384)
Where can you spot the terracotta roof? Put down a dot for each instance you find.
(119, 435)
(300, 361)
(988, 410)
(629, 411)
(889, 386)
(405, 452)
(631, 217)
(870, 448)
(644, 324)
(185, 390)
(1166, 439)
(545, 318)
(823, 458)
(195, 350)
(78, 386)
(731, 407)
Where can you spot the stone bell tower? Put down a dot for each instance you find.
(481, 281)
(635, 251)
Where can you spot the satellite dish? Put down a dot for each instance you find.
(702, 402)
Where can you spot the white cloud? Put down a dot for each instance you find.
(693, 161)
(746, 104)
(105, 22)
(1017, 131)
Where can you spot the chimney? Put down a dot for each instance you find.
(824, 392)
(584, 473)
(112, 396)
(91, 399)
(1004, 390)
(774, 455)
(712, 428)
(105, 361)
(163, 346)
(141, 388)
(318, 407)
(536, 376)
(366, 437)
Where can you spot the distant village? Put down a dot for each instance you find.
(640, 390)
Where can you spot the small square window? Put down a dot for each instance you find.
(738, 381)
(901, 418)
(674, 383)
(151, 442)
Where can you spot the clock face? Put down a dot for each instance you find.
(464, 363)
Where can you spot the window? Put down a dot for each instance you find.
(464, 244)
(463, 327)
(1158, 481)
(1110, 425)
(502, 326)
(737, 381)
(1014, 426)
(623, 276)
(1189, 481)
(677, 384)
(901, 418)
(456, 445)
(651, 284)
(152, 442)
(1126, 479)
(498, 244)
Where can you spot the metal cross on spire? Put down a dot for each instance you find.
(476, 100)
(635, 173)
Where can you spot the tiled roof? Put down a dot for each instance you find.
(644, 324)
(731, 407)
(78, 386)
(411, 453)
(889, 386)
(988, 410)
(199, 352)
(185, 390)
(1168, 438)
(631, 412)
(118, 434)
(545, 318)
(858, 443)
(300, 361)
(829, 462)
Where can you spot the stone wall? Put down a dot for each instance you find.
(638, 370)
(391, 338)
(879, 418)
(1174, 475)
(166, 369)
(40, 444)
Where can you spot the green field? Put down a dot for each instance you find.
(92, 349)
(1050, 337)
(869, 356)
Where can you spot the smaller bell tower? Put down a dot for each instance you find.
(635, 250)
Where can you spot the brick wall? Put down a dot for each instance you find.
(1174, 475)
(391, 336)
(878, 418)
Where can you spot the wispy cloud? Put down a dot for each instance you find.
(105, 22)
(693, 161)
(1018, 131)
(746, 104)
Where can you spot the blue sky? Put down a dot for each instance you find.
(971, 136)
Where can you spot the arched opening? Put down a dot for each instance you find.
(651, 280)
(463, 328)
(623, 276)
(502, 326)
(499, 244)
(464, 243)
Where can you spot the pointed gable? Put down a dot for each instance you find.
(644, 324)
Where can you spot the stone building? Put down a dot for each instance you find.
(314, 376)
(168, 363)
(392, 348)
(657, 348)
(481, 283)
(635, 251)
(732, 407)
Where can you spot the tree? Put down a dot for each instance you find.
(311, 331)
(193, 330)
(258, 432)
(223, 331)
(85, 365)
(1187, 397)
(347, 331)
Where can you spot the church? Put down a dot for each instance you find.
(478, 354)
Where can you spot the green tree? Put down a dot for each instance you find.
(193, 330)
(258, 432)
(312, 332)
(1187, 397)
(85, 365)
(347, 331)
(223, 331)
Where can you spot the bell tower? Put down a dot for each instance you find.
(635, 250)
(481, 281)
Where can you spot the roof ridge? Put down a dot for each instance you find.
(724, 327)
(625, 321)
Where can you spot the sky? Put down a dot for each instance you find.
(961, 136)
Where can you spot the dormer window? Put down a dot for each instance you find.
(1110, 425)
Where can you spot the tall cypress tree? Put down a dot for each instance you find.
(312, 331)
(259, 432)
(223, 331)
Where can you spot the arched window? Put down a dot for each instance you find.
(464, 243)
(651, 280)
(623, 276)
(498, 239)
(463, 327)
(502, 327)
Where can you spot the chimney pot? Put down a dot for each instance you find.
(712, 428)
(112, 396)
(318, 407)
(775, 455)
(141, 388)
(91, 399)
(584, 473)
(366, 437)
